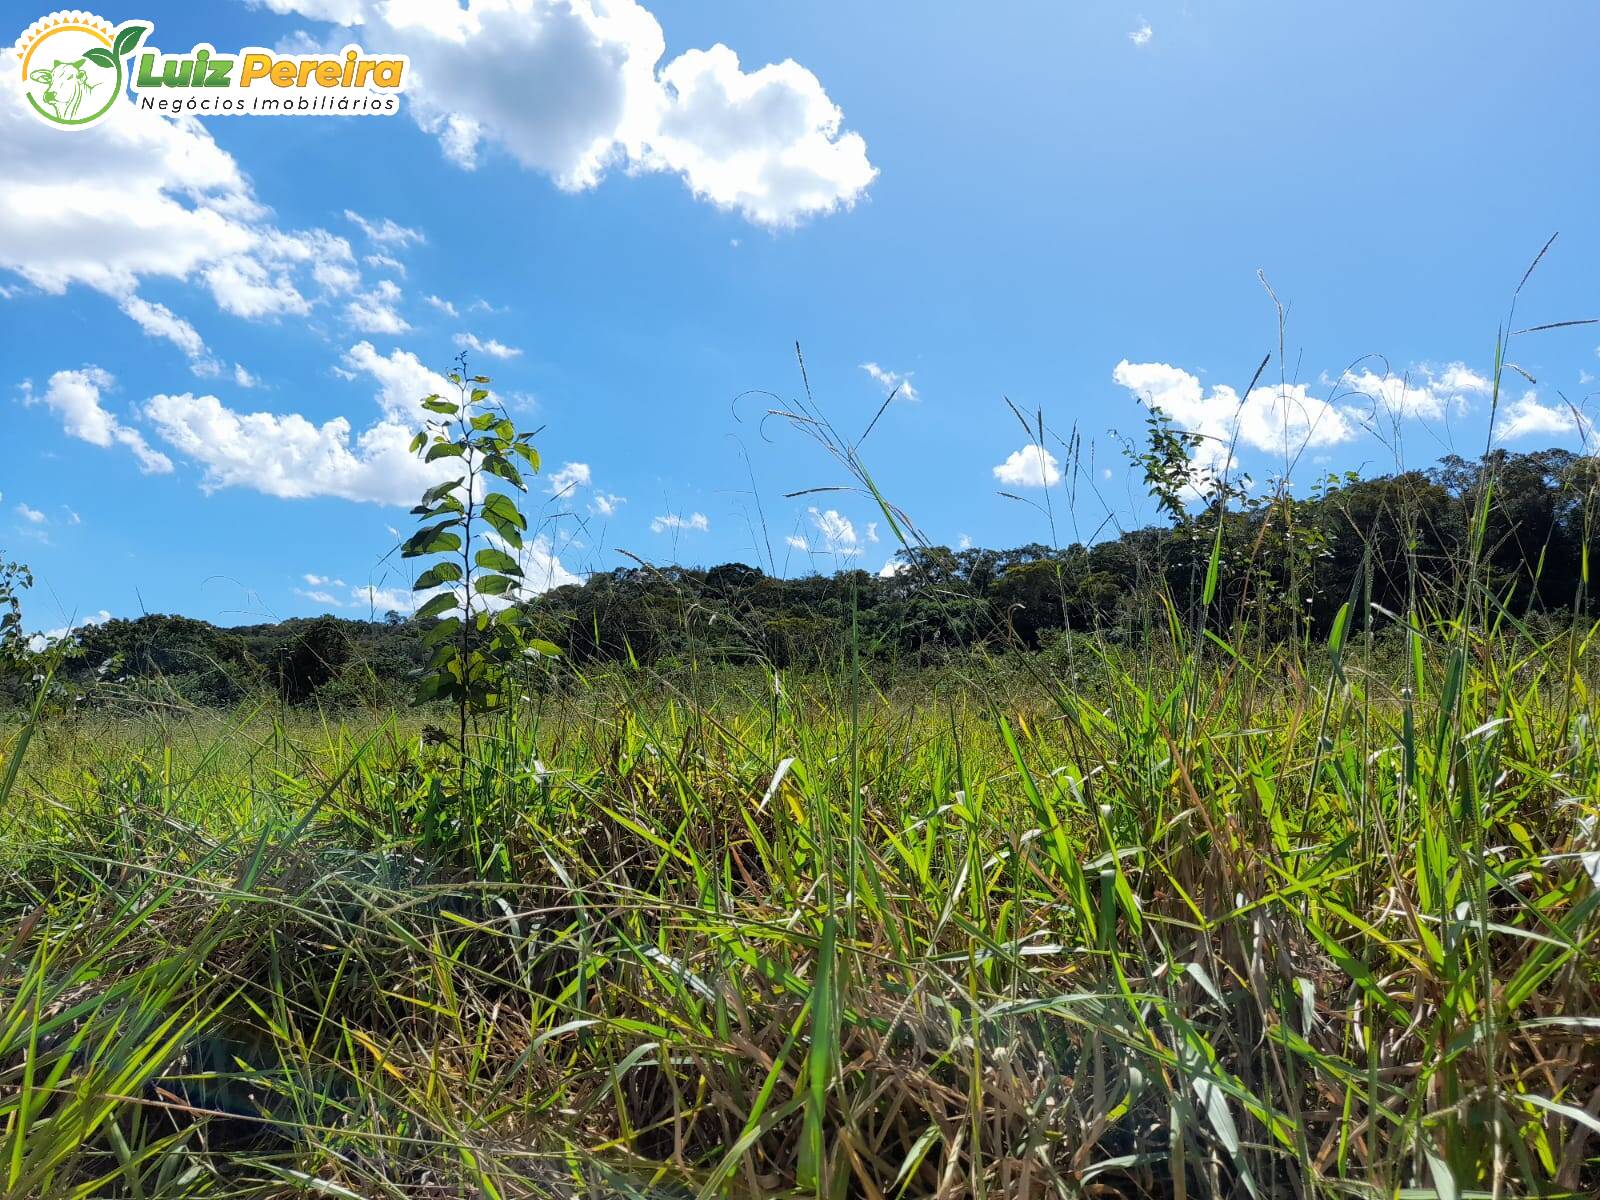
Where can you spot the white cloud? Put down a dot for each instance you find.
(74, 397)
(401, 378)
(892, 568)
(836, 533)
(571, 88)
(569, 478)
(40, 641)
(160, 321)
(1526, 417)
(442, 305)
(290, 457)
(1425, 392)
(542, 568)
(799, 543)
(145, 196)
(1458, 377)
(491, 347)
(890, 380)
(243, 378)
(1142, 35)
(374, 311)
(373, 599)
(695, 522)
(32, 515)
(336, 277)
(384, 262)
(383, 600)
(1284, 418)
(964, 542)
(385, 232)
(768, 143)
(1031, 466)
(346, 12)
(605, 504)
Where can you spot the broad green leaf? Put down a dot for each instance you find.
(434, 576)
(441, 603)
(448, 627)
(497, 560)
(443, 450)
(432, 539)
(495, 585)
(497, 464)
(497, 506)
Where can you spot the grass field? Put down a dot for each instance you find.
(1204, 923)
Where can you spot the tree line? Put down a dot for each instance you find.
(1388, 545)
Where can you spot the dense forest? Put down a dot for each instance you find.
(1287, 565)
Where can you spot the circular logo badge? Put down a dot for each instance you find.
(72, 66)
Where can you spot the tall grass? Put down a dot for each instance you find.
(1219, 928)
(1210, 916)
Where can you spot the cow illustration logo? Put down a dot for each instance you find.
(72, 66)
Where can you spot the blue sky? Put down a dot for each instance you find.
(1063, 205)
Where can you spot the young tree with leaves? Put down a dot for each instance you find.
(471, 529)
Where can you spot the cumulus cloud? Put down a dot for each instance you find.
(605, 504)
(74, 397)
(492, 348)
(694, 522)
(571, 88)
(1426, 392)
(401, 377)
(375, 312)
(836, 533)
(893, 567)
(569, 478)
(541, 566)
(291, 457)
(444, 306)
(1031, 466)
(890, 380)
(31, 515)
(1527, 417)
(1142, 35)
(1274, 418)
(144, 196)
